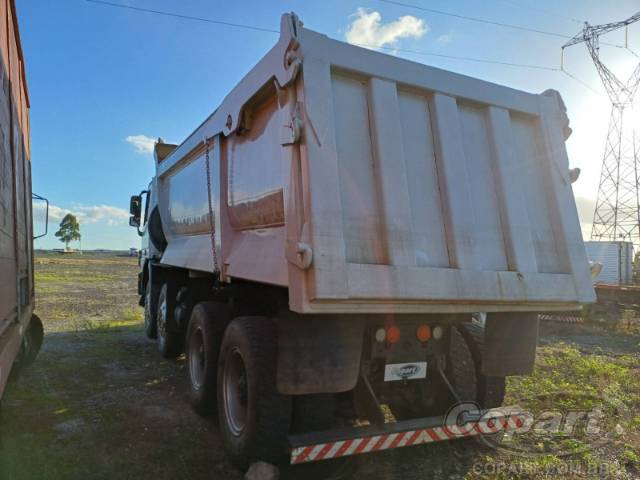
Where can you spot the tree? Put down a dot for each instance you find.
(69, 230)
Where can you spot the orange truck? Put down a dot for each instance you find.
(21, 331)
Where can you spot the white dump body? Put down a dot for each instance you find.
(368, 183)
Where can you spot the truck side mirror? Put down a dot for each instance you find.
(135, 206)
(40, 204)
(135, 209)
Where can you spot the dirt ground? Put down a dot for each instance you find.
(100, 403)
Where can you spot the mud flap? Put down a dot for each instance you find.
(318, 354)
(510, 344)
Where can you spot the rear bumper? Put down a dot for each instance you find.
(345, 442)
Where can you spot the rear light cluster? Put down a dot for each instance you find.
(423, 334)
(437, 333)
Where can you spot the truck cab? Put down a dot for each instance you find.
(141, 208)
(145, 217)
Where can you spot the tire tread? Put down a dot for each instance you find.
(273, 410)
(491, 389)
(215, 317)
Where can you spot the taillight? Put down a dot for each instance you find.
(393, 334)
(423, 333)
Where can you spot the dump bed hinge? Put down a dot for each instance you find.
(301, 255)
(292, 132)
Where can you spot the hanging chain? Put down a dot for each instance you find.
(212, 220)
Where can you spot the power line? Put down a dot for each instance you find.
(543, 10)
(485, 21)
(581, 82)
(184, 17)
(268, 30)
(495, 62)
(468, 59)
(404, 50)
(475, 19)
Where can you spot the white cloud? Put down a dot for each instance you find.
(367, 29)
(141, 143)
(101, 213)
(84, 213)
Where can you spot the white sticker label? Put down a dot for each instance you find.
(405, 371)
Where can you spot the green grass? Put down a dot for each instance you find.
(70, 277)
(131, 317)
(565, 369)
(100, 403)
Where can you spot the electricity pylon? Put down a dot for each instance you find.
(617, 213)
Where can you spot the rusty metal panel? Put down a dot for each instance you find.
(255, 196)
(16, 246)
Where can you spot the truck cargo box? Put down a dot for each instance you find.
(20, 330)
(364, 182)
(616, 259)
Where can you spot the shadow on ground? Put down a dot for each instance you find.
(102, 404)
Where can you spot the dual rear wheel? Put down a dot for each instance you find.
(31, 344)
(232, 370)
(158, 307)
(169, 340)
(232, 367)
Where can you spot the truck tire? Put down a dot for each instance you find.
(31, 344)
(169, 343)
(491, 390)
(204, 338)
(461, 370)
(151, 310)
(254, 418)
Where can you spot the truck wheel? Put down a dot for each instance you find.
(31, 343)
(204, 337)
(168, 341)
(491, 390)
(151, 310)
(460, 369)
(254, 417)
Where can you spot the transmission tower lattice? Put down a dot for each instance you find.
(617, 212)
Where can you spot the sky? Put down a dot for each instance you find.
(105, 82)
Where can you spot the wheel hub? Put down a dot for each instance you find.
(196, 359)
(235, 392)
(162, 317)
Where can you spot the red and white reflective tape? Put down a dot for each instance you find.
(376, 443)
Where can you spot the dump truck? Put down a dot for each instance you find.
(21, 331)
(321, 244)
